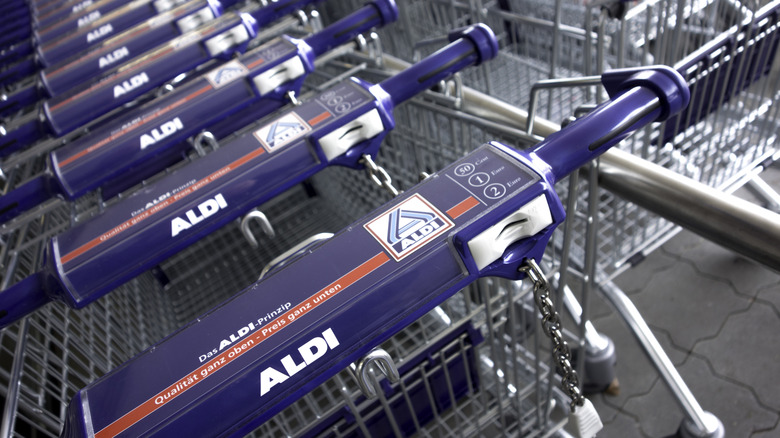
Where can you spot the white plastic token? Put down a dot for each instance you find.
(584, 422)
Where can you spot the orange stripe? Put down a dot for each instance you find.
(161, 206)
(104, 83)
(263, 333)
(462, 207)
(319, 118)
(255, 64)
(81, 31)
(105, 50)
(115, 136)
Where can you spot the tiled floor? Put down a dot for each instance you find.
(717, 315)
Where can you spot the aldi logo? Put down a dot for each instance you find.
(281, 131)
(408, 226)
(226, 74)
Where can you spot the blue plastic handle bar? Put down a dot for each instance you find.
(18, 31)
(104, 56)
(65, 21)
(101, 56)
(69, 111)
(266, 347)
(92, 33)
(133, 146)
(338, 127)
(16, 51)
(108, 25)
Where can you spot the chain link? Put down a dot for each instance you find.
(379, 175)
(551, 323)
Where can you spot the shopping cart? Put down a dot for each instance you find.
(726, 51)
(45, 359)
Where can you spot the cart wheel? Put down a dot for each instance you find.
(600, 365)
(689, 430)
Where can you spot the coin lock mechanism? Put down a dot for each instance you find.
(287, 71)
(362, 128)
(490, 245)
(228, 39)
(192, 21)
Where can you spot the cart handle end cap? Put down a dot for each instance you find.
(667, 83)
(483, 38)
(250, 23)
(387, 10)
(218, 7)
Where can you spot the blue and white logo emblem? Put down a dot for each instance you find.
(281, 131)
(408, 226)
(226, 74)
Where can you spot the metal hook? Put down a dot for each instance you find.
(372, 47)
(457, 79)
(204, 138)
(292, 252)
(316, 21)
(171, 85)
(382, 360)
(291, 96)
(303, 19)
(265, 225)
(378, 50)
(362, 43)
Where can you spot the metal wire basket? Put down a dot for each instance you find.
(476, 366)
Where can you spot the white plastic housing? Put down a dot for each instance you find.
(226, 40)
(362, 128)
(288, 70)
(490, 245)
(195, 19)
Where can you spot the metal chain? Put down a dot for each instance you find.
(551, 323)
(378, 175)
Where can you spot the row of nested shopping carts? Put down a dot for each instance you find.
(478, 364)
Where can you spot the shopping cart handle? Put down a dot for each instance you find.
(639, 96)
(667, 83)
(380, 12)
(118, 21)
(484, 215)
(68, 66)
(137, 139)
(471, 45)
(125, 83)
(337, 127)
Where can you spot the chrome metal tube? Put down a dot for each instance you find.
(722, 218)
(741, 226)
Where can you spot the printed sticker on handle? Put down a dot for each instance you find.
(408, 226)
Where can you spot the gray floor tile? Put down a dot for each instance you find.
(748, 351)
(682, 243)
(773, 432)
(655, 263)
(634, 370)
(658, 412)
(714, 260)
(771, 295)
(733, 404)
(689, 305)
(623, 426)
